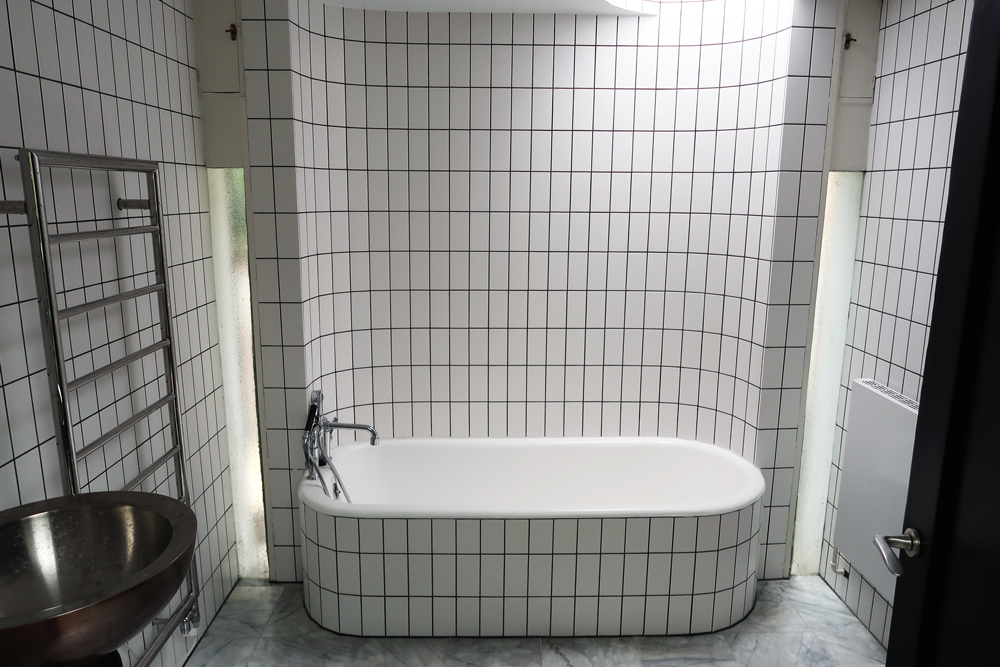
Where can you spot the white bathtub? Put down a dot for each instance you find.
(532, 536)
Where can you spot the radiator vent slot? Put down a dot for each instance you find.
(891, 393)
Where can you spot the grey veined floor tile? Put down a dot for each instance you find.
(247, 610)
(712, 649)
(781, 649)
(589, 652)
(399, 652)
(819, 606)
(334, 651)
(289, 618)
(862, 649)
(215, 650)
(772, 612)
(494, 652)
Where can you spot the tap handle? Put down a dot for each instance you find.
(312, 416)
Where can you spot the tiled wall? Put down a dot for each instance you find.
(111, 78)
(538, 225)
(530, 577)
(919, 80)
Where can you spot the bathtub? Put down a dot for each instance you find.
(531, 537)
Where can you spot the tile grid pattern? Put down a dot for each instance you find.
(112, 78)
(530, 577)
(918, 83)
(538, 225)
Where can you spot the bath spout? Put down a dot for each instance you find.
(334, 424)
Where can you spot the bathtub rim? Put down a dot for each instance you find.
(310, 492)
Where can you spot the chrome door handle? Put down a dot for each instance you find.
(909, 542)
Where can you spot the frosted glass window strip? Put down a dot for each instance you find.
(833, 296)
(227, 205)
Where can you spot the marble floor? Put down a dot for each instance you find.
(796, 622)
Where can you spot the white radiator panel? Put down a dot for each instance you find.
(877, 451)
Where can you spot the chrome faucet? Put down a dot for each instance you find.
(329, 425)
(316, 444)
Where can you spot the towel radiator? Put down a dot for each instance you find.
(878, 446)
(64, 383)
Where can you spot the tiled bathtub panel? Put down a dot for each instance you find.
(529, 577)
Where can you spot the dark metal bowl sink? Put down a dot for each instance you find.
(80, 575)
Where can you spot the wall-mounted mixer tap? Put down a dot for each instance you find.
(316, 443)
(333, 424)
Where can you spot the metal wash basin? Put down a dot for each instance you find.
(80, 575)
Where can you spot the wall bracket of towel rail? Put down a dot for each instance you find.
(63, 382)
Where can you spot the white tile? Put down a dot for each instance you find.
(370, 534)
(397, 616)
(539, 575)
(350, 614)
(394, 536)
(708, 533)
(516, 536)
(658, 574)
(492, 575)
(515, 575)
(679, 614)
(661, 532)
(585, 617)
(564, 536)
(372, 574)
(515, 616)
(467, 575)
(613, 536)
(685, 534)
(682, 571)
(634, 580)
(444, 574)
(702, 613)
(330, 610)
(396, 579)
(445, 621)
(348, 573)
(492, 536)
(706, 567)
(491, 617)
(419, 535)
(612, 574)
(589, 536)
(539, 613)
(540, 536)
(609, 615)
(443, 533)
(347, 534)
(373, 619)
(564, 575)
(327, 569)
(419, 574)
